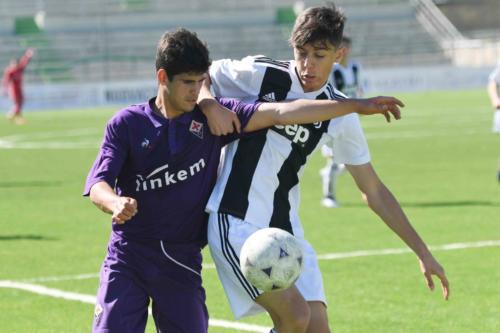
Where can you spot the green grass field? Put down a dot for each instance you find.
(440, 161)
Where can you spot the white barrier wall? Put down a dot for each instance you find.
(376, 81)
(64, 96)
(424, 79)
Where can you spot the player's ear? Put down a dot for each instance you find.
(161, 76)
(340, 53)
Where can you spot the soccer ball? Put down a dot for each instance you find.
(271, 259)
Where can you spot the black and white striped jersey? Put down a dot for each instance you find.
(348, 79)
(259, 179)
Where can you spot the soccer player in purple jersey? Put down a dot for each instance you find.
(154, 173)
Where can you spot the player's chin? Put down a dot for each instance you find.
(189, 106)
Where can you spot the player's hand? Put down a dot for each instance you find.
(221, 120)
(429, 266)
(381, 105)
(124, 209)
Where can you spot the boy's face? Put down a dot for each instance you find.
(314, 63)
(181, 93)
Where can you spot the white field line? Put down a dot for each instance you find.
(87, 144)
(77, 132)
(89, 299)
(42, 290)
(326, 256)
(94, 143)
(86, 138)
(445, 247)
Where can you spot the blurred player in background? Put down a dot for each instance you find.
(493, 92)
(346, 77)
(12, 83)
(258, 186)
(347, 72)
(154, 173)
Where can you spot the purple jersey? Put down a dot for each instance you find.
(168, 165)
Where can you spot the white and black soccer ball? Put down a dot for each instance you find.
(271, 259)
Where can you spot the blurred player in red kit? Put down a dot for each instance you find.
(12, 84)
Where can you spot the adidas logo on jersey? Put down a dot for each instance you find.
(269, 97)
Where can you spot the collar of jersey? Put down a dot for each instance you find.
(159, 121)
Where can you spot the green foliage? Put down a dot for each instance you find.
(440, 161)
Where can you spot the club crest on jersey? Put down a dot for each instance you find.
(196, 128)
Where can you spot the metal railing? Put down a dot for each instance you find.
(438, 25)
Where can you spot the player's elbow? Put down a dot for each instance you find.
(94, 195)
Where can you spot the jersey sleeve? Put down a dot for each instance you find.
(111, 157)
(244, 111)
(349, 142)
(236, 78)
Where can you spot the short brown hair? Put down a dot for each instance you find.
(181, 51)
(319, 24)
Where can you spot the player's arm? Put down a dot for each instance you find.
(303, 111)
(385, 205)
(221, 120)
(229, 78)
(105, 198)
(493, 93)
(26, 58)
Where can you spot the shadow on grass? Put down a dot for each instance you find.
(25, 237)
(32, 183)
(463, 203)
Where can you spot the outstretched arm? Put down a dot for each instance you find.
(26, 58)
(121, 208)
(303, 111)
(385, 205)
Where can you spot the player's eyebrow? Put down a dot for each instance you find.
(316, 47)
(320, 47)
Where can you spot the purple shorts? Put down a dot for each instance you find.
(135, 272)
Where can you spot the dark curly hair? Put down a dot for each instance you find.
(181, 51)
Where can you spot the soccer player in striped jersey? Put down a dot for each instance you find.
(346, 77)
(258, 185)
